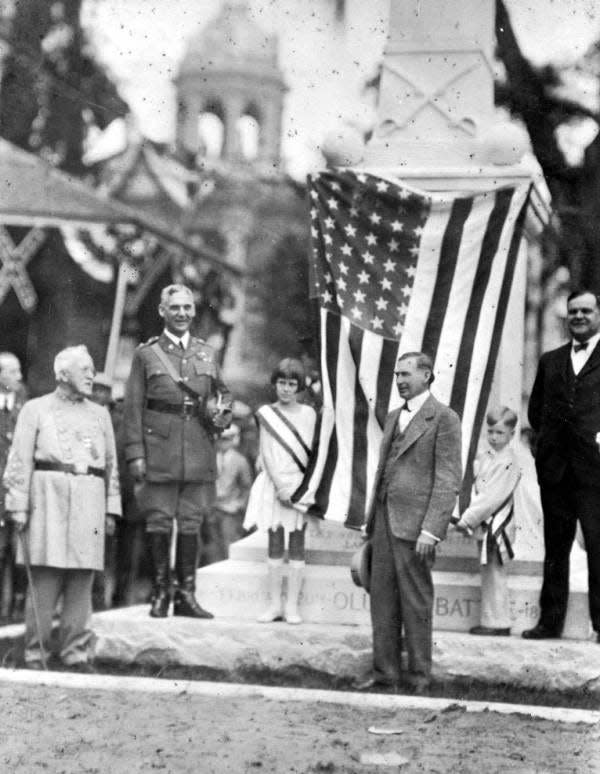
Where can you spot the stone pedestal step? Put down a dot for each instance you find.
(457, 554)
(130, 636)
(238, 589)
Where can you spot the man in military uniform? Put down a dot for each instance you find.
(12, 397)
(63, 496)
(175, 404)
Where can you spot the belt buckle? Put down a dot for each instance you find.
(188, 409)
(80, 468)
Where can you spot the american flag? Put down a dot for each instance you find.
(395, 270)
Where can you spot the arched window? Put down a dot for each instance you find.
(211, 130)
(248, 130)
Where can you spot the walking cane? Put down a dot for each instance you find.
(33, 597)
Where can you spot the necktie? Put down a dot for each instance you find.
(181, 344)
(405, 407)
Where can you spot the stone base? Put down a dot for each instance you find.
(130, 636)
(238, 589)
(332, 544)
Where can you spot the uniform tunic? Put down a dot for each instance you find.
(175, 447)
(66, 511)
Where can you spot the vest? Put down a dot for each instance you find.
(391, 461)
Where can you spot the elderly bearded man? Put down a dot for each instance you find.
(175, 404)
(62, 493)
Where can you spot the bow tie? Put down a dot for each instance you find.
(580, 347)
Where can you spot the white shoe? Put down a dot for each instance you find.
(293, 617)
(295, 578)
(275, 581)
(271, 614)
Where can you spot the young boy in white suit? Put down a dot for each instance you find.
(490, 519)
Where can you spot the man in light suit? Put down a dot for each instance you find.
(564, 412)
(416, 486)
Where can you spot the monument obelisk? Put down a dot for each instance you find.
(437, 129)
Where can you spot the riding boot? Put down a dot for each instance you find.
(185, 602)
(275, 581)
(294, 588)
(4, 560)
(160, 547)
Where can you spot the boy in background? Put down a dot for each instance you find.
(234, 479)
(490, 519)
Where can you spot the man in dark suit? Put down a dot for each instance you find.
(175, 403)
(416, 485)
(12, 398)
(564, 412)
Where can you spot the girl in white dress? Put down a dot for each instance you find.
(286, 436)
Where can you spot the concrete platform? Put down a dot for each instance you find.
(129, 635)
(239, 649)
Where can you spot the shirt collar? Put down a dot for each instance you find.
(414, 404)
(185, 339)
(591, 343)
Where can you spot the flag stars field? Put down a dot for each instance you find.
(349, 214)
(378, 282)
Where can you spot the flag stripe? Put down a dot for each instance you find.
(356, 509)
(494, 346)
(341, 485)
(485, 328)
(489, 247)
(385, 379)
(378, 355)
(448, 258)
(462, 288)
(332, 335)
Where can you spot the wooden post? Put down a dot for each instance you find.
(112, 350)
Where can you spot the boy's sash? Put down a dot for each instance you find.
(282, 430)
(496, 537)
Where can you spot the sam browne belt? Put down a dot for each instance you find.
(76, 470)
(181, 409)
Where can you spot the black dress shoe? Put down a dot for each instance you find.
(35, 665)
(490, 631)
(377, 685)
(416, 685)
(81, 668)
(540, 632)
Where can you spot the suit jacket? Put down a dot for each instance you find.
(8, 420)
(564, 412)
(176, 448)
(427, 473)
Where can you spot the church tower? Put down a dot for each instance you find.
(230, 94)
(229, 86)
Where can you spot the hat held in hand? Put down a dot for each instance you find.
(360, 566)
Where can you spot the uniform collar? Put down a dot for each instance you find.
(67, 397)
(185, 339)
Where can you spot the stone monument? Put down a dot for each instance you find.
(438, 130)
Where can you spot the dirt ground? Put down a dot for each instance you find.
(61, 730)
